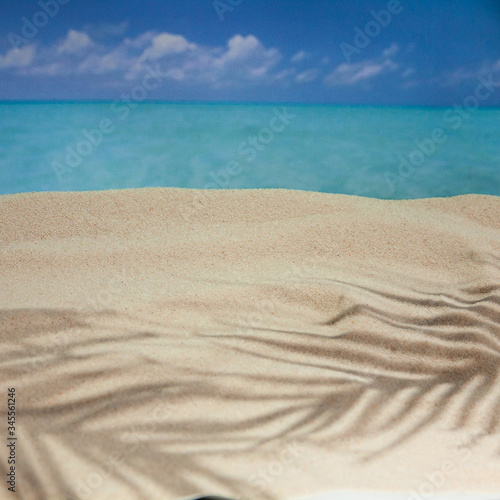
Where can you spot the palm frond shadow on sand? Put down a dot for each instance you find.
(24, 356)
(92, 397)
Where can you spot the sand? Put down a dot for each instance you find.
(256, 344)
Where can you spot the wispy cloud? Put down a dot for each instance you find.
(285, 75)
(391, 51)
(350, 74)
(307, 76)
(408, 72)
(300, 56)
(467, 74)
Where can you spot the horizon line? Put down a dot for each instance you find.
(233, 103)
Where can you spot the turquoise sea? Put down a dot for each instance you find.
(369, 151)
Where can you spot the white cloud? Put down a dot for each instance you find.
(240, 48)
(307, 76)
(351, 74)
(18, 57)
(104, 63)
(75, 42)
(165, 44)
(176, 74)
(285, 74)
(391, 51)
(407, 73)
(141, 41)
(299, 56)
(247, 50)
(243, 61)
(467, 74)
(456, 77)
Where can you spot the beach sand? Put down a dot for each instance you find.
(252, 343)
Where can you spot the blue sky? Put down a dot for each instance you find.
(407, 52)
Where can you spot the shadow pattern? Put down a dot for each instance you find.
(369, 377)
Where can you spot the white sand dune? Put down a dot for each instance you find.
(264, 344)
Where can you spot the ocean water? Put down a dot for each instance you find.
(379, 152)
